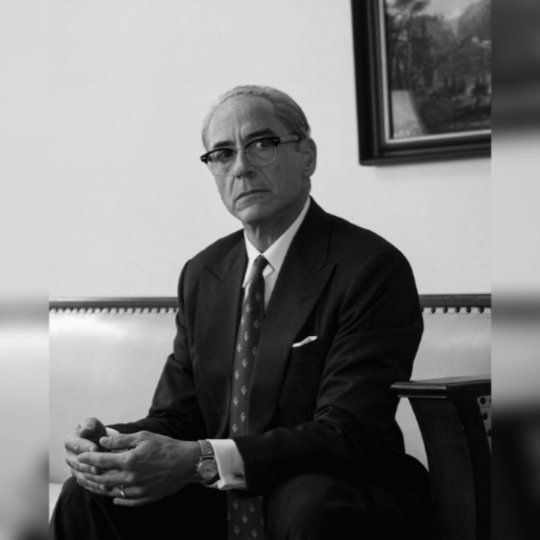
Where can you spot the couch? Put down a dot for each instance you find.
(106, 356)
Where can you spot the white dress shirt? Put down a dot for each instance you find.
(229, 461)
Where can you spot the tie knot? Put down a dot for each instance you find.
(258, 267)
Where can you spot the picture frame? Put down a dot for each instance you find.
(423, 79)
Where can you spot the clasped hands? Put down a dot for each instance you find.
(134, 469)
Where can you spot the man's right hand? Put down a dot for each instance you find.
(85, 438)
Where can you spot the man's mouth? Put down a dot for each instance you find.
(250, 193)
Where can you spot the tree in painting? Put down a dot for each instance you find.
(440, 66)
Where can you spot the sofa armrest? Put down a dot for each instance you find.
(454, 418)
(445, 387)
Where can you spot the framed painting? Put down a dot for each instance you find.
(423, 79)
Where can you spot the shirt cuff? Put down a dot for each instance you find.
(229, 463)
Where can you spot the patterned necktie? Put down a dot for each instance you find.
(245, 514)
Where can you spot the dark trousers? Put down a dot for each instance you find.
(306, 507)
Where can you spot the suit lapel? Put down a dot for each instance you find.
(218, 308)
(302, 278)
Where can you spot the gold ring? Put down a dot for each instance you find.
(122, 492)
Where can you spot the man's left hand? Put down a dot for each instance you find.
(145, 465)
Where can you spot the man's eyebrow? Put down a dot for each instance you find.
(222, 144)
(266, 132)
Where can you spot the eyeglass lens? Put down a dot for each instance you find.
(259, 153)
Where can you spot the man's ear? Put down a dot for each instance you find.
(309, 155)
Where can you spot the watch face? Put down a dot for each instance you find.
(207, 470)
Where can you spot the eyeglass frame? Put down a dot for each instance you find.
(276, 140)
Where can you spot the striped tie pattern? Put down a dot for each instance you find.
(245, 514)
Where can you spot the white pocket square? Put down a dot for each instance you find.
(305, 341)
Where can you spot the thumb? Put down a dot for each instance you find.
(119, 442)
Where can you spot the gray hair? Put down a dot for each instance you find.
(286, 109)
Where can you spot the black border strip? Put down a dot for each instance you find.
(427, 301)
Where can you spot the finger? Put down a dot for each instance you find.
(75, 464)
(105, 461)
(86, 481)
(129, 492)
(109, 479)
(120, 441)
(78, 445)
(94, 487)
(119, 501)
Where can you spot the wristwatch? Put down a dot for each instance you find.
(206, 471)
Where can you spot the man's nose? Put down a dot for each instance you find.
(241, 165)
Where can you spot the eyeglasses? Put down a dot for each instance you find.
(260, 152)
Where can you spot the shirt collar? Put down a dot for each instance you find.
(275, 254)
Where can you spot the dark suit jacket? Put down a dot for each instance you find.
(324, 407)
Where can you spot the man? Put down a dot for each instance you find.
(274, 416)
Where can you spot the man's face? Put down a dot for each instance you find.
(264, 194)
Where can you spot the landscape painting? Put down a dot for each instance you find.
(423, 78)
(438, 64)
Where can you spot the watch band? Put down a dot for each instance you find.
(207, 450)
(206, 471)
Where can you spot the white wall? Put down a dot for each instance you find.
(131, 202)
